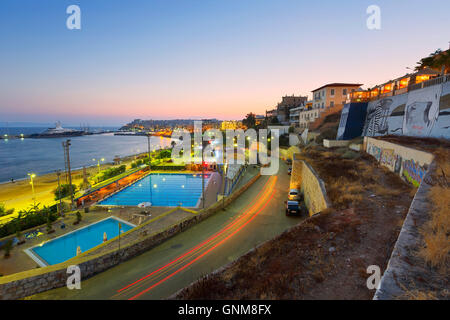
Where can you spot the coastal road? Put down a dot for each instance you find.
(256, 216)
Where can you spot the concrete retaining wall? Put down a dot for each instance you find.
(23, 284)
(415, 167)
(307, 180)
(408, 163)
(335, 143)
(402, 272)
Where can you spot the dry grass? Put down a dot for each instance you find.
(382, 190)
(418, 295)
(345, 193)
(436, 231)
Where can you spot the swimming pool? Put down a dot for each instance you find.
(65, 247)
(161, 190)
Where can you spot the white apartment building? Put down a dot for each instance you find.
(294, 116)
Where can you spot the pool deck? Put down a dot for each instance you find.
(20, 261)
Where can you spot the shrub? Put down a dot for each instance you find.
(7, 248)
(79, 217)
(3, 211)
(28, 219)
(112, 172)
(163, 154)
(350, 155)
(329, 134)
(65, 191)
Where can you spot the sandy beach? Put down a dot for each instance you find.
(18, 194)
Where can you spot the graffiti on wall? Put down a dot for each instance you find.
(411, 171)
(343, 122)
(374, 151)
(423, 112)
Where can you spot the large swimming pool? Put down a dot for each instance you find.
(161, 190)
(65, 247)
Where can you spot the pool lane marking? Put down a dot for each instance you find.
(241, 217)
(203, 254)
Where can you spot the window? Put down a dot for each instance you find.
(344, 92)
(332, 104)
(332, 92)
(323, 105)
(323, 93)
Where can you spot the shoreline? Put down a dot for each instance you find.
(73, 171)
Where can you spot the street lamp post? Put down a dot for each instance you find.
(224, 180)
(32, 176)
(98, 163)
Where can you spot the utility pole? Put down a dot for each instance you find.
(66, 149)
(58, 173)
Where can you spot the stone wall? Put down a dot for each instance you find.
(408, 163)
(23, 284)
(307, 180)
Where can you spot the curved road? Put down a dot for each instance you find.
(256, 216)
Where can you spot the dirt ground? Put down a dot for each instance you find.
(326, 256)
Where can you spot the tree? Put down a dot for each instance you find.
(250, 120)
(436, 61)
(65, 191)
(3, 211)
(274, 120)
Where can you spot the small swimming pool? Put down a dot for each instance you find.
(65, 247)
(161, 190)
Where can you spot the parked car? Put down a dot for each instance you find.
(294, 195)
(293, 208)
(289, 171)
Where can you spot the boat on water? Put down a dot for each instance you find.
(57, 132)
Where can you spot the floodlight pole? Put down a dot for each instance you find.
(58, 174)
(66, 148)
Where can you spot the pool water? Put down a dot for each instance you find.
(65, 247)
(161, 190)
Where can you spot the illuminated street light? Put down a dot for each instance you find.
(98, 163)
(32, 176)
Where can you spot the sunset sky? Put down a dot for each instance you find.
(220, 59)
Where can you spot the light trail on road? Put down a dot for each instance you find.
(159, 276)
